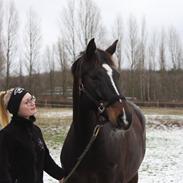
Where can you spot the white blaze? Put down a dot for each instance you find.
(124, 118)
(109, 73)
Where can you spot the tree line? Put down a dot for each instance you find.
(150, 62)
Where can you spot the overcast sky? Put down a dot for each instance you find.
(158, 13)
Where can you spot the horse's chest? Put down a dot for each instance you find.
(102, 173)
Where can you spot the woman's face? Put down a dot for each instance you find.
(27, 106)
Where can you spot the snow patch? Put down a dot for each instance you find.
(164, 152)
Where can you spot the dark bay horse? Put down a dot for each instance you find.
(117, 152)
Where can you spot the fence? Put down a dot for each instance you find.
(68, 103)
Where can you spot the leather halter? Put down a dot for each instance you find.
(100, 105)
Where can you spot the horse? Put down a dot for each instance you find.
(99, 108)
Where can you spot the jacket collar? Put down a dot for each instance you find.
(23, 121)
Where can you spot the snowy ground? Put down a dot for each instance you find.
(163, 161)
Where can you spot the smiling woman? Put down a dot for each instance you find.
(23, 152)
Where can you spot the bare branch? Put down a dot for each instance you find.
(11, 27)
(32, 43)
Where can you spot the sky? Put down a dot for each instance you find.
(158, 13)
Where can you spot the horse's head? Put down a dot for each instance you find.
(96, 76)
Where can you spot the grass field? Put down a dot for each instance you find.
(55, 121)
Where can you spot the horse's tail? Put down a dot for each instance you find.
(4, 115)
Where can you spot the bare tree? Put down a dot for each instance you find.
(32, 45)
(11, 27)
(68, 29)
(133, 41)
(152, 52)
(141, 60)
(89, 23)
(20, 75)
(151, 55)
(50, 61)
(162, 85)
(2, 59)
(175, 48)
(162, 52)
(62, 59)
(142, 46)
(118, 33)
(132, 52)
(80, 22)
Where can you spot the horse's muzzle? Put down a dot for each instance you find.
(122, 123)
(116, 115)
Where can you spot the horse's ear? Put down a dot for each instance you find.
(91, 47)
(112, 48)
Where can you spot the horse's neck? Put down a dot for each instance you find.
(84, 120)
(80, 109)
(83, 116)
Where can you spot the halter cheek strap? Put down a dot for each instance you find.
(100, 105)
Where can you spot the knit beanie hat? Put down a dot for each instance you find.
(15, 100)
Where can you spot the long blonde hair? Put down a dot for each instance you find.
(4, 114)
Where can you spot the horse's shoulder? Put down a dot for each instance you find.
(136, 109)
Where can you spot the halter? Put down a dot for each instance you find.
(100, 105)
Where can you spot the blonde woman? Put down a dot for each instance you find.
(23, 153)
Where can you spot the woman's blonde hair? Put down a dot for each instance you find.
(4, 114)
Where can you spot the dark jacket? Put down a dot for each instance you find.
(24, 155)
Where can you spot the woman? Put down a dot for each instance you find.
(23, 153)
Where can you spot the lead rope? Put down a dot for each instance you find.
(94, 136)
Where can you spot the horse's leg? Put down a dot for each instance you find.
(134, 179)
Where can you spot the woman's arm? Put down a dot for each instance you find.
(51, 167)
(5, 176)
